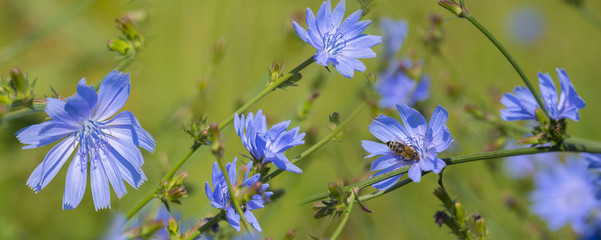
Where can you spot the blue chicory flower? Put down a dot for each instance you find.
(107, 145)
(220, 196)
(337, 42)
(268, 145)
(394, 34)
(427, 139)
(522, 104)
(565, 194)
(395, 87)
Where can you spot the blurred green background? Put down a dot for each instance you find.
(176, 79)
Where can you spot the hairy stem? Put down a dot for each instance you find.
(510, 58)
(347, 214)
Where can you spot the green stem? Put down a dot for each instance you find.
(266, 91)
(207, 225)
(141, 204)
(233, 197)
(510, 58)
(347, 214)
(50, 26)
(319, 144)
(223, 124)
(567, 146)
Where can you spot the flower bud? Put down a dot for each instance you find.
(334, 121)
(453, 7)
(119, 46)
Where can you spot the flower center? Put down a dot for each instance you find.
(90, 135)
(333, 42)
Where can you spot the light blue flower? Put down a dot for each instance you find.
(427, 139)
(522, 105)
(395, 87)
(394, 34)
(337, 42)
(565, 195)
(268, 145)
(526, 24)
(106, 145)
(220, 196)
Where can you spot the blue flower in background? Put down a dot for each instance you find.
(564, 195)
(268, 145)
(220, 194)
(522, 166)
(526, 24)
(107, 145)
(394, 34)
(426, 139)
(522, 105)
(337, 42)
(395, 87)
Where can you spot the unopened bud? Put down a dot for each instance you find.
(119, 46)
(19, 81)
(460, 214)
(334, 120)
(453, 7)
(541, 116)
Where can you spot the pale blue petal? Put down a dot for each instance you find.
(415, 173)
(44, 133)
(54, 160)
(385, 162)
(324, 17)
(100, 186)
(387, 183)
(252, 220)
(281, 161)
(128, 160)
(233, 218)
(414, 122)
(127, 127)
(338, 14)
(112, 95)
(440, 133)
(388, 129)
(75, 184)
(374, 148)
(56, 111)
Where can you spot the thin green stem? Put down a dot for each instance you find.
(510, 58)
(333, 133)
(47, 27)
(233, 197)
(223, 124)
(141, 204)
(207, 225)
(271, 87)
(568, 146)
(347, 214)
